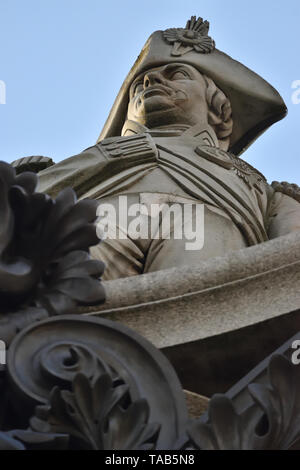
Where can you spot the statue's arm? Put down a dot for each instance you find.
(284, 210)
(83, 171)
(71, 172)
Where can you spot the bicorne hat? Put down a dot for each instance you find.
(256, 105)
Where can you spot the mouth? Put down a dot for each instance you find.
(156, 90)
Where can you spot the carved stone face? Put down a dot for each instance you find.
(170, 94)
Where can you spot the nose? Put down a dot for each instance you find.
(153, 78)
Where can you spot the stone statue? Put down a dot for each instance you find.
(172, 142)
(184, 114)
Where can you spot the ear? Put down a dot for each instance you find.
(219, 113)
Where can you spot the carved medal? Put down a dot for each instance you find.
(246, 172)
(193, 37)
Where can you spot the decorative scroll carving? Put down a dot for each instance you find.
(67, 385)
(86, 387)
(292, 190)
(193, 36)
(86, 391)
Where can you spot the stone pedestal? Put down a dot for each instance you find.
(218, 320)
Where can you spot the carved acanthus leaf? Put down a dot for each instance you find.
(272, 422)
(97, 416)
(44, 260)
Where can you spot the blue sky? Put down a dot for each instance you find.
(63, 62)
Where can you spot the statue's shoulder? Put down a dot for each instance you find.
(228, 160)
(134, 145)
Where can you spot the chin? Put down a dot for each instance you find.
(160, 118)
(158, 113)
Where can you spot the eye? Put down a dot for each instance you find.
(179, 75)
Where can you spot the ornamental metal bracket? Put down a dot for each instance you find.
(79, 382)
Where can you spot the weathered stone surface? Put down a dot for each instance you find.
(183, 116)
(196, 404)
(212, 318)
(35, 163)
(223, 294)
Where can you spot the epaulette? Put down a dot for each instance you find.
(34, 164)
(139, 144)
(292, 190)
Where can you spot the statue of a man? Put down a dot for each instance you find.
(184, 114)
